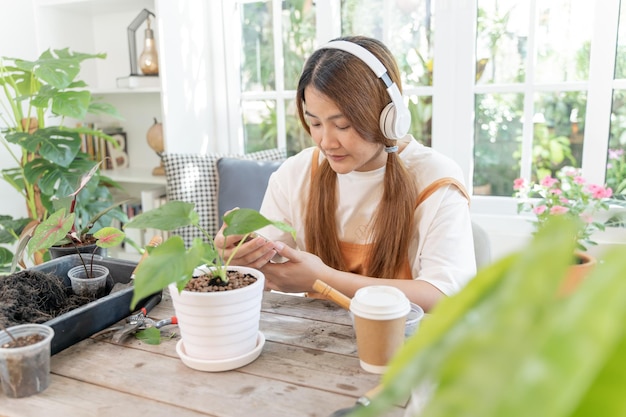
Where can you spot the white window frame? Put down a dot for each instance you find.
(454, 87)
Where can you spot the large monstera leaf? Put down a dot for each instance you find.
(58, 145)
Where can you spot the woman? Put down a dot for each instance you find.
(370, 205)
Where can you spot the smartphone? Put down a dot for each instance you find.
(277, 259)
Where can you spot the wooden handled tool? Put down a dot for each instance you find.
(331, 293)
(362, 401)
(154, 242)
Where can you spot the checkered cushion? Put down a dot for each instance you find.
(194, 178)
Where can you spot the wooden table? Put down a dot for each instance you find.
(308, 367)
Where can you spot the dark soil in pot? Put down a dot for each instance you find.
(209, 283)
(24, 341)
(87, 246)
(35, 297)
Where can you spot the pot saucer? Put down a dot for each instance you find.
(222, 364)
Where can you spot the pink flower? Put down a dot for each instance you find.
(587, 218)
(519, 183)
(615, 153)
(599, 192)
(548, 181)
(570, 171)
(568, 194)
(558, 210)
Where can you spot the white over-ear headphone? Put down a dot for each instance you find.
(395, 119)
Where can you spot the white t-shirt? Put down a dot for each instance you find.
(442, 253)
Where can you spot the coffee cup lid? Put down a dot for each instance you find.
(380, 302)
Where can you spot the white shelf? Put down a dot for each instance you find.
(135, 176)
(143, 90)
(101, 26)
(91, 7)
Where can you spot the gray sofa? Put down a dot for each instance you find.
(196, 179)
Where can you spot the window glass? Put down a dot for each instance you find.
(558, 132)
(616, 158)
(498, 127)
(257, 55)
(259, 119)
(561, 50)
(298, 38)
(563, 32)
(501, 41)
(405, 26)
(297, 138)
(421, 109)
(620, 62)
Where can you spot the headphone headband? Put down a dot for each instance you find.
(395, 119)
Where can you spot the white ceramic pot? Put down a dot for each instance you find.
(218, 326)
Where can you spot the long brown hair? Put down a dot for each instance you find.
(361, 97)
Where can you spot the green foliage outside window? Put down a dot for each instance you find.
(258, 71)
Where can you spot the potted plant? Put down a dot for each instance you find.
(47, 102)
(60, 228)
(568, 195)
(217, 306)
(25, 359)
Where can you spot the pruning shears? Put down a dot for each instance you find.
(138, 321)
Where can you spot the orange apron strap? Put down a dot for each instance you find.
(441, 182)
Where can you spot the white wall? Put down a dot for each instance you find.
(17, 39)
(195, 119)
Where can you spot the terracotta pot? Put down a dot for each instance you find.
(577, 273)
(482, 189)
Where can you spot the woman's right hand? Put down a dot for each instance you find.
(255, 252)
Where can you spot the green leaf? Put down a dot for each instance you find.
(608, 386)
(10, 228)
(57, 67)
(170, 216)
(5, 257)
(54, 144)
(166, 264)
(151, 336)
(245, 220)
(104, 108)
(72, 104)
(109, 237)
(52, 230)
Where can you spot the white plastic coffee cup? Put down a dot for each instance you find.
(380, 313)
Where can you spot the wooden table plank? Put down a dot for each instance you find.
(67, 397)
(308, 367)
(169, 381)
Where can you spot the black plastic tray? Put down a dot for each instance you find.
(82, 322)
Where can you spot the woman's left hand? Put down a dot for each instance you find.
(253, 253)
